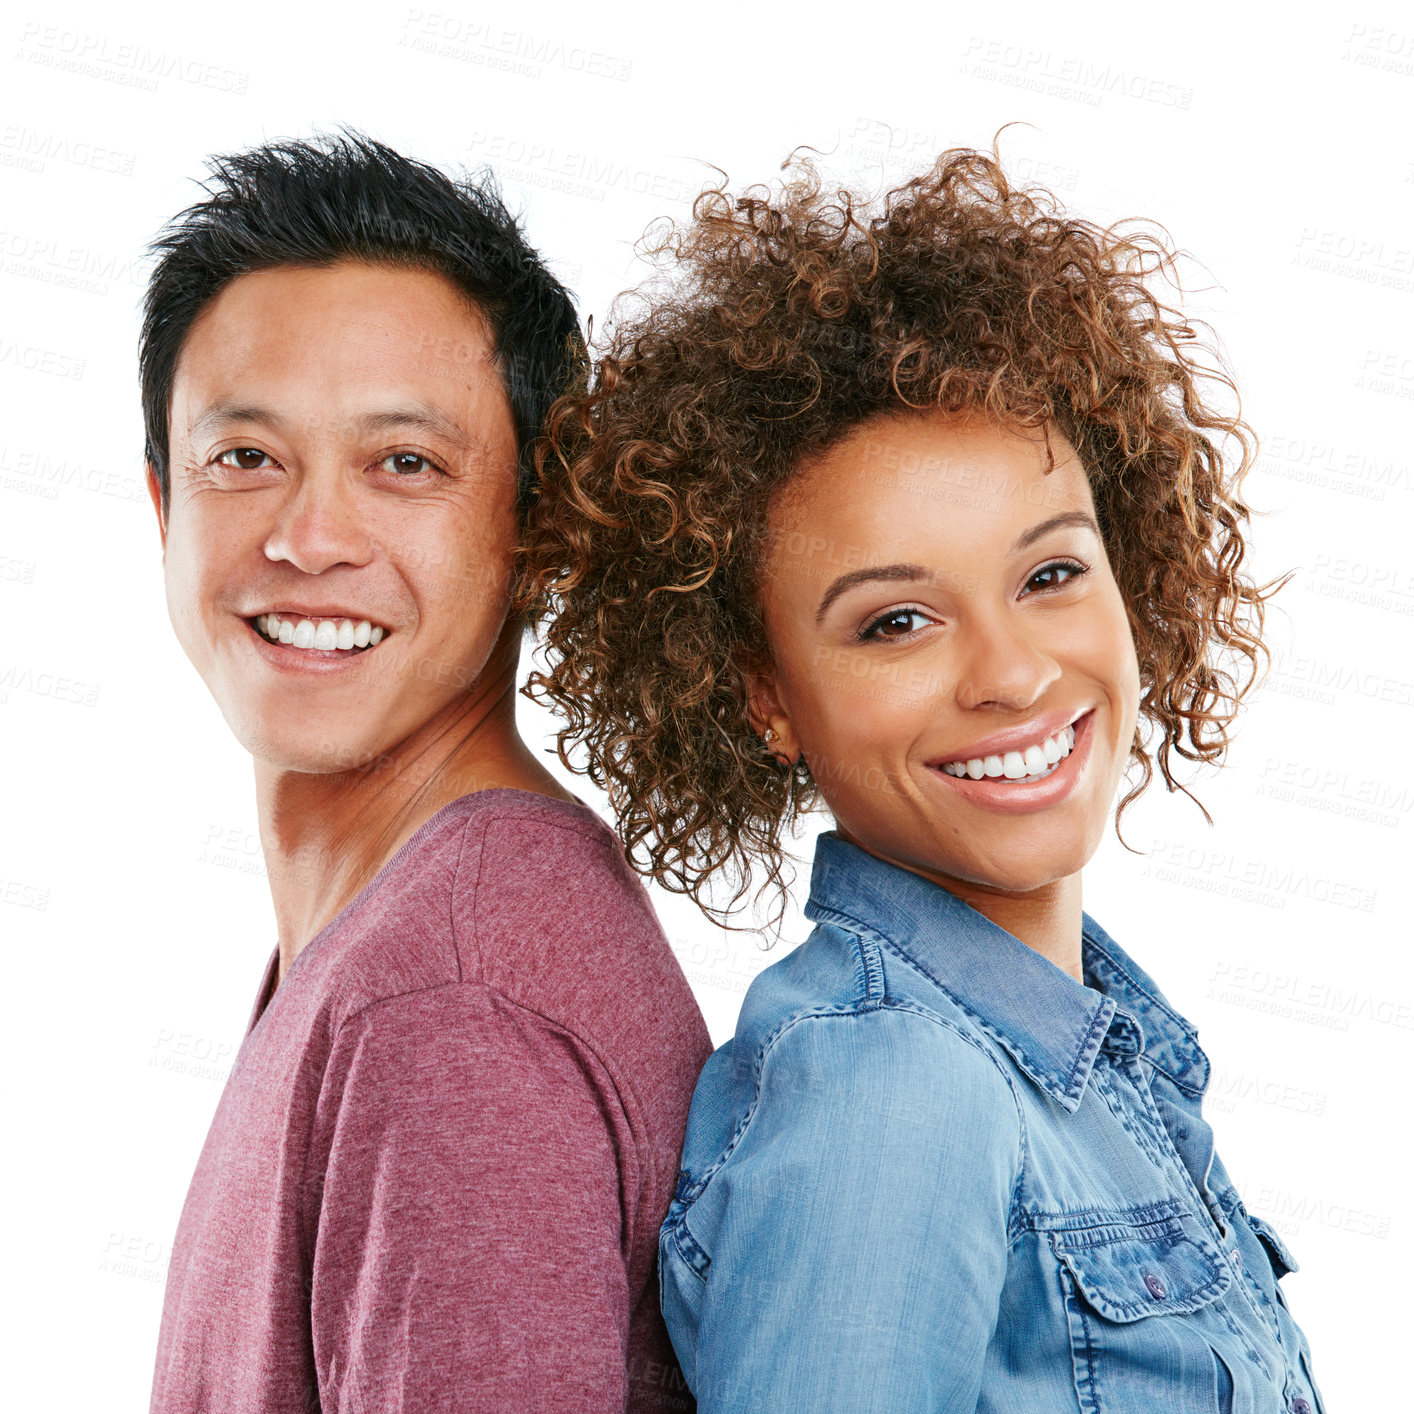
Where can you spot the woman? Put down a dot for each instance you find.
(925, 512)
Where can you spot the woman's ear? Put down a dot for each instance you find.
(769, 717)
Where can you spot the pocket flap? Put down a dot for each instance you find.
(1282, 1260)
(1128, 1271)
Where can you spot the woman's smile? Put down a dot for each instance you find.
(997, 701)
(1018, 780)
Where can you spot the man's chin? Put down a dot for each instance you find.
(327, 755)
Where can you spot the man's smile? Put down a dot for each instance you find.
(318, 645)
(318, 633)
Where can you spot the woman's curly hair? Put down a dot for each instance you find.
(783, 320)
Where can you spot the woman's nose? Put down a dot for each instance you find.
(1005, 664)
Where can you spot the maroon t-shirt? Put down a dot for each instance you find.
(437, 1172)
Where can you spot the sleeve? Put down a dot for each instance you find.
(467, 1238)
(860, 1240)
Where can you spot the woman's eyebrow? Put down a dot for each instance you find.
(1029, 537)
(870, 572)
(902, 572)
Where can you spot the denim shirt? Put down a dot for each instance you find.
(932, 1171)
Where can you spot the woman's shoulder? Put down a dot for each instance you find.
(817, 1069)
(836, 991)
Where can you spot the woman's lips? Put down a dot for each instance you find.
(1006, 797)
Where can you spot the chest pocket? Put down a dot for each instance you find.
(1135, 1287)
(1277, 1250)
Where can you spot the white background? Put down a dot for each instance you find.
(132, 900)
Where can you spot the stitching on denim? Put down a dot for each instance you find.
(1084, 1060)
(862, 1004)
(697, 1188)
(1014, 1228)
(859, 1008)
(1139, 987)
(1089, 1049)
(1136, 1231)
(1006, 1042)
(689, 1249)
(1172, 1159)
(1086, 1385)
(1244, 1340)
(1157, 1005)
(1208, 1293)
(1103, 1085)
(1084, 1219)
(1267, 1310)
(870, 974)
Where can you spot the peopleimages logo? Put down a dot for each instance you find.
(1067, 76)
(1314, 1001)
(119, 61)
(1265, 881)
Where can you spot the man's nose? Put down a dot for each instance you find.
(321, 523)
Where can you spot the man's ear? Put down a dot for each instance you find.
(768, 713)
(154, 491)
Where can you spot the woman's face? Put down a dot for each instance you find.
(942, 621)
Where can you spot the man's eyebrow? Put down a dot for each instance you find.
(223, 414)
(1029, 537)
(417, 415)
(887, 573)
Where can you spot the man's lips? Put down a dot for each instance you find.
(287, 657)
(322, 633)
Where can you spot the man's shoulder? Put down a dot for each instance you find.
(521, 845)
(548, 911)
(529, 898)
(421, 922)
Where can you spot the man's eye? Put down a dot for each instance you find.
(242, 458)
(897, 623)
(407, 464)
(1053, 575)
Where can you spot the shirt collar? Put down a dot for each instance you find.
(1053, 1026)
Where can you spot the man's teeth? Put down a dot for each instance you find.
(1039, 760)
(328, 634)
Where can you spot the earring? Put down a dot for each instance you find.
(770, 734)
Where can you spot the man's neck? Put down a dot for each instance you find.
(326, 836)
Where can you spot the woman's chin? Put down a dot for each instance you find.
(1005, 870)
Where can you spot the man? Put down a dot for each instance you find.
(436, 1175)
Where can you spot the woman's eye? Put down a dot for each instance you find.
(406, 464)
(1053, 575)
(242, 458)
(897, 623)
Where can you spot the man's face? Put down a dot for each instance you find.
(343, 453)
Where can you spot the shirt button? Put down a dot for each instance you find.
(1237, 1259)
(1156, 1288)
(1299, 1406)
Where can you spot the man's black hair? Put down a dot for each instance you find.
(312, 203)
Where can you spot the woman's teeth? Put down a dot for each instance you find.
(329, 634)
(1026, 765)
